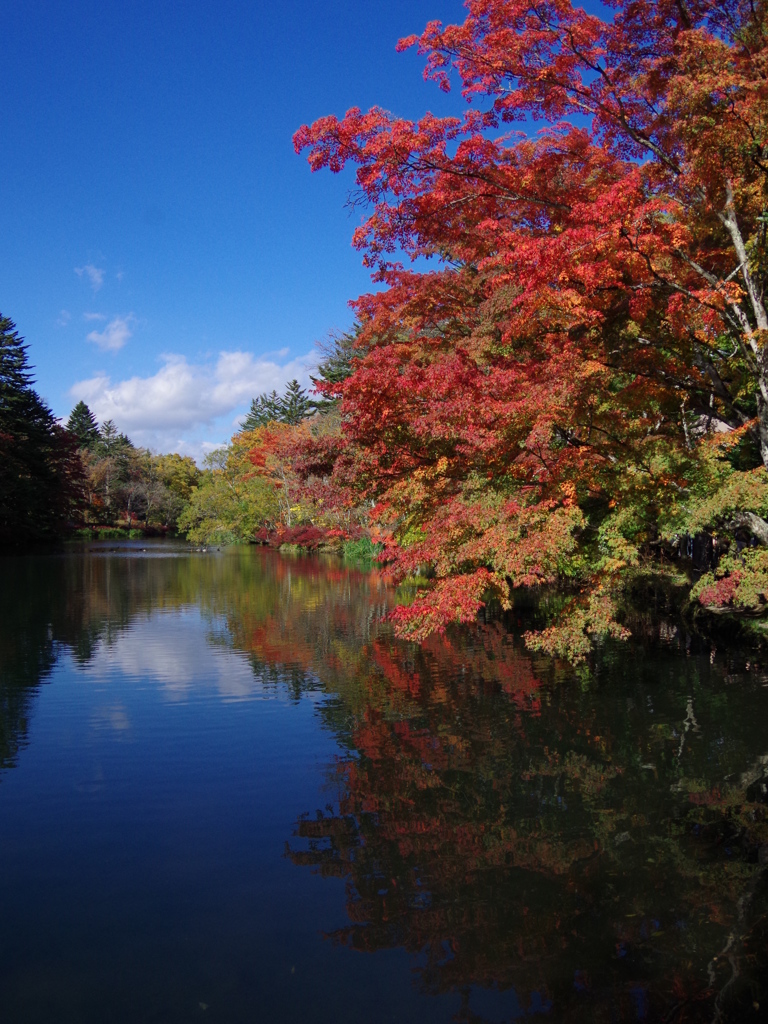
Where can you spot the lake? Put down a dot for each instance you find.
(228, 794)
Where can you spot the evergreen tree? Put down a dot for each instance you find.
(112, 465)
(82, 425)
(267, 408)
(38, 470)
(339, 353)
(111, 442)
(293, 407)
(295, 404)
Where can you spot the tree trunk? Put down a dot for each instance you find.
(762, 403)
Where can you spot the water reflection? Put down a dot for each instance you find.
(590, 848)
(101, 607)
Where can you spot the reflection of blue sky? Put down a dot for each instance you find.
(143, 835)
(172, 651)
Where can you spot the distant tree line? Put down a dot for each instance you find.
(125, 484)
(256, 486)
(58, 478)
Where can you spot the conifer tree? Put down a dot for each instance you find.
(82, 425)
(295, 404)
(339, 352)
(38, 473)
(111, 442)
(292, 407)
(264, 409)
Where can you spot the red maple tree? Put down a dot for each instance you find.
(540, 406)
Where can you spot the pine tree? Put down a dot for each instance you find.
(111, 466)
(265, 409)
(292, 407)
(111, 442)
(295, 404)
(82, 425)
(335, 368)
(38, 473)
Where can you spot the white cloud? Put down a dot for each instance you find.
(64, 317)
(114, 335)
(94, 274)
(162, 410)
(94, 316)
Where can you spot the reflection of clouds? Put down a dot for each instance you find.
(172, 650)
(112, 716)
(94, 784)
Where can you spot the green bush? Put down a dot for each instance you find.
(361, 550)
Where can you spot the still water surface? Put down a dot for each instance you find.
(227, 794)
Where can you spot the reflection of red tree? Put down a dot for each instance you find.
(480, 814)
(470, 836)
(305, 615)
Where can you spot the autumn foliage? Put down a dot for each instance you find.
(547, 402)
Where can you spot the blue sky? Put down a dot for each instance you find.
(166, 254)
